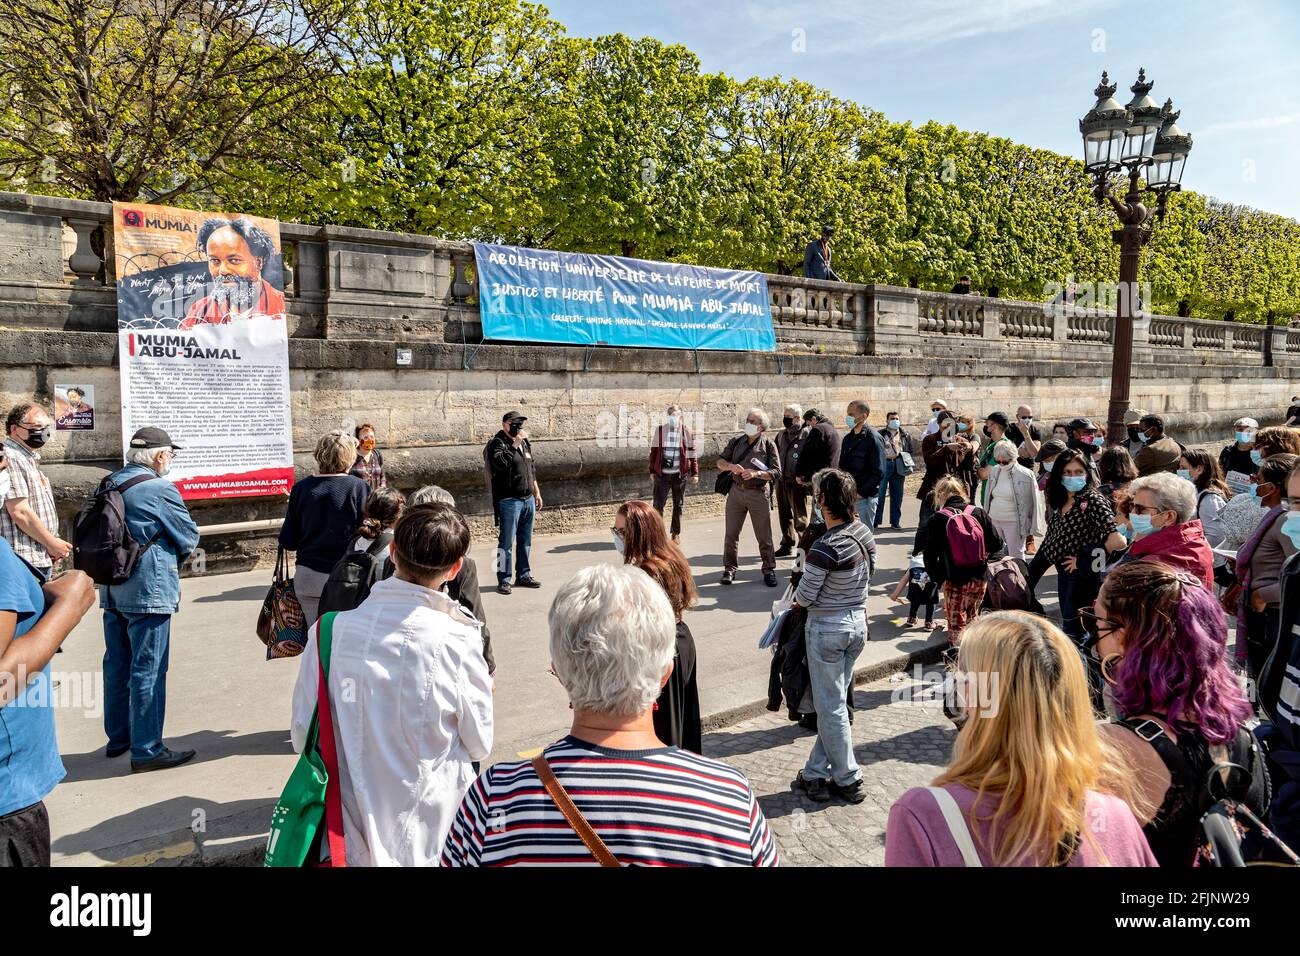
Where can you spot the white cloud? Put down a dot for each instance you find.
(1259, 122)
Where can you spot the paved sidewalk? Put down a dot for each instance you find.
(225, 700)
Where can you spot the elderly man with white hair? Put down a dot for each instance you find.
(610, 792)
(1165, 526)
(754, 464)
(138, 612)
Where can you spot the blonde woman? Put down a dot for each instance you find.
(1032, 781)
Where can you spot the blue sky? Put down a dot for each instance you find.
(1024, 69)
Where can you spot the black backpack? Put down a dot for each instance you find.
(353, 575)
(102, 545)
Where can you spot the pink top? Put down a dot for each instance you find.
(918, 836)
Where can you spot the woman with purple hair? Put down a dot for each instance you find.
(1161, 638)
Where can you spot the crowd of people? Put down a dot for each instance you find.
(1095, 736)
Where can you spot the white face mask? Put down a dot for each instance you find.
(618, 541)
(751, 429)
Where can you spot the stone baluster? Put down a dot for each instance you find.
(85, 264)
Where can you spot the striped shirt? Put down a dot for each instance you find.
(663, 807)
(838, 569)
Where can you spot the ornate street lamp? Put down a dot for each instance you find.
(1135, 137)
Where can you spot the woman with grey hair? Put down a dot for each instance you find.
(1165, 526)
(1012, 499)
(629, 799)
(324, 511)
(754, 464)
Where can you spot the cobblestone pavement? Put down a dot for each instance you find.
(901, 739)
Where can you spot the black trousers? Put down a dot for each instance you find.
(676, 484)
(25, 837)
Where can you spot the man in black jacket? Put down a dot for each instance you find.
(791, 497)
(862, 455)
(821, 449)
(515, 499)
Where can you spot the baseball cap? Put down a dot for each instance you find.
(1247, 422)
(940, 402)
(149, 438)
(1080, 424)
(514, 415)
(999, 417)
(1049, 449)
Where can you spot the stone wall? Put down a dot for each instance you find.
(355, 295)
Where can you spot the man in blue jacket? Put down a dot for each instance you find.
(137, 613)
(817, 257)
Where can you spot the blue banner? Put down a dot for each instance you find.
(538, 295)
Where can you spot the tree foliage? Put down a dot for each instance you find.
(482, 119)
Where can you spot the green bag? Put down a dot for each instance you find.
(312, 794)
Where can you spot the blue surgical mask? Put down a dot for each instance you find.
(1291, 528)
(1254, 491)
(894, 424)
(1184, 474)
(1075, 483)
(1141, 524)
(850, 421)
(1245, 437)
(933, 414)
(961, 426)
(1143, 437)
(1127, 532)
(1256, 457)
(1099, 441)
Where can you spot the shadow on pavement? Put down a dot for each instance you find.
(168, 816)
(251, 593)
(721, 745)
(210, 744)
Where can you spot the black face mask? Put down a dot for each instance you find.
(36, 438)
(789, 422)
(1132, 433)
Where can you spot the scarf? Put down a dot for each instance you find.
(1244, 555)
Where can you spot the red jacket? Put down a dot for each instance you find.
(690, 464)
(1181, 546)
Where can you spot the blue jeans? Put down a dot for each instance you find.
(866, 509)
(136, 649)
(833, 643)
(891, 482)
(515, 536)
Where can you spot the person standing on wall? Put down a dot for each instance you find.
(673, 460)
(791, 497)
(138, 612)
(898, 464)
(755, 466)
(28, 519)
(821, 449)
(862, 455)
(817, 257)
(515, 499)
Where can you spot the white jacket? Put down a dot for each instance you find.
(412, 707)
(1030, 509)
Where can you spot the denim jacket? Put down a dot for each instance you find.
(155, 585)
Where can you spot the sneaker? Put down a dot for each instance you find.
(769, 578)
(110, 752)
(503, 587)
(728, 577)
(529, 582)
(784, 551)
(815, 789)
(910, 622)
(929, 625)
(165, 760)
(853, 793)
(808, 722)
(895, 527)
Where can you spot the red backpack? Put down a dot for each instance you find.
(966, 539)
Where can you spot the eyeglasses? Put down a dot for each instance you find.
(1095, 627)
(1143, 510)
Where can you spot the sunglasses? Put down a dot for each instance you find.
(1095, 627)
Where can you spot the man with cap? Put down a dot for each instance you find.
(1131, 419)
(1085, 437)
(936, 406)
(515, 499)
(1047, 455)
(817, 257)
(1236, 454)
(138, 612)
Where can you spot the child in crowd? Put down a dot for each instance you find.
(920, 590)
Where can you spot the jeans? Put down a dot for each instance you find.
(1065, 586)
(136, 648)
(675, 485)
(866, 509)
(516, 517)
(891, 482)
(833, 643)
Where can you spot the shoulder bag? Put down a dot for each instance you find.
(590, 838)
(280, 624)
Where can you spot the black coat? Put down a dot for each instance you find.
(821, 449)
(938, 555)
(862, 455)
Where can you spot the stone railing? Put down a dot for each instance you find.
(56, 273)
